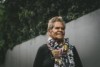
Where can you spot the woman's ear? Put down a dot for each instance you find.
(49, 32)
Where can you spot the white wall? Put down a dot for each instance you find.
(23, 54)
(83, 33)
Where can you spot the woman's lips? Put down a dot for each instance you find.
(60, 33)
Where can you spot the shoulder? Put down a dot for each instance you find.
(43, 47)
(72, 47)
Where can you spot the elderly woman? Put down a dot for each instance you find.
(57, 52)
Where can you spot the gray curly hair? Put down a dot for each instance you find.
(53, 20)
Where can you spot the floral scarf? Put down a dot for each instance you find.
(62, 53)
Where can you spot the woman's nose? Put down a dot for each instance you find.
(60, 29)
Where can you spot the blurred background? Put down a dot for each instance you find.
(23, 25)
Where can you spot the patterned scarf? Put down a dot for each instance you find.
(62, 53)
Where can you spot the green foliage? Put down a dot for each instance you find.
(21, 20)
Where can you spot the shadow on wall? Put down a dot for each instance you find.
(83, 33)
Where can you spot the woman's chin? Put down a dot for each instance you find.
(60, 38)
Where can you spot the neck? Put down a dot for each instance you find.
(59, 41)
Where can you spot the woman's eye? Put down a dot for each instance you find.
(59, 28)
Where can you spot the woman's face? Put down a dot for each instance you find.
(58, 31)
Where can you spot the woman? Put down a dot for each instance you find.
(57, 52)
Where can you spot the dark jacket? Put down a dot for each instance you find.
(44, 58)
